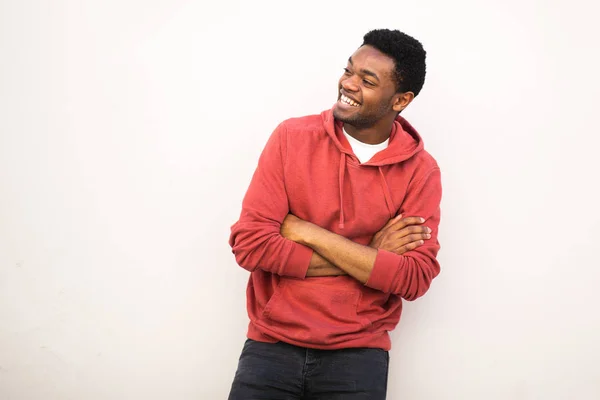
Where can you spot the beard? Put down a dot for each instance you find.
(366, 118)
(357, 120)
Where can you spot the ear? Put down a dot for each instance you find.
(402, 100)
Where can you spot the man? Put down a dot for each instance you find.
(339, 224)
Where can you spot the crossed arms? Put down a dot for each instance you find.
(335, 255)
(400, 259)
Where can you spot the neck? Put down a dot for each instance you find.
(375, 134)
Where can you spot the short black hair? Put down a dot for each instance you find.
(408, 55)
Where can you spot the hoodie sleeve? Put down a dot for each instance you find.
(410, 274)
(255, 238)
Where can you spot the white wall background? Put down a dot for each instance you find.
(128, 134)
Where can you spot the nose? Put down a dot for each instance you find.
(349, 84)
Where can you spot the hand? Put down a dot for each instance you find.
(400, 235)
(321, 267)
(294, 228)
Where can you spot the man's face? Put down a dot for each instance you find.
(367, 90)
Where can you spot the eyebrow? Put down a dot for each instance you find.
(364, 71)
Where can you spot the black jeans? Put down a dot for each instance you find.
(281, 371)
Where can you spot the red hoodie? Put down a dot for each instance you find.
(308, 169)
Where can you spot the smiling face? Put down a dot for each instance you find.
(367, 90)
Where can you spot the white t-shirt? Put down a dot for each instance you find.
(365, 151)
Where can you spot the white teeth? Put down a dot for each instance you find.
(347, 100)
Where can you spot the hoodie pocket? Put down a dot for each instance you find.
(314, 310)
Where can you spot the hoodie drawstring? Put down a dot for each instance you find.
(341, 182)
(387, 193)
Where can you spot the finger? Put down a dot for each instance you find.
(410, 230)
(388, 224)
(409, 247)
(404, 222)
(392, 221)
(415, 237)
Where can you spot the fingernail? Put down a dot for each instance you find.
(428, 229)
(399, 216)
(422, 219)
(428, 236)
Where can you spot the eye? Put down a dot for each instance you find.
(366, 82)
(346, 71)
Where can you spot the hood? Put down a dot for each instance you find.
(404, 143)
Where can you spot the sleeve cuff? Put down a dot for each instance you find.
(298, 262)
(384, 271)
